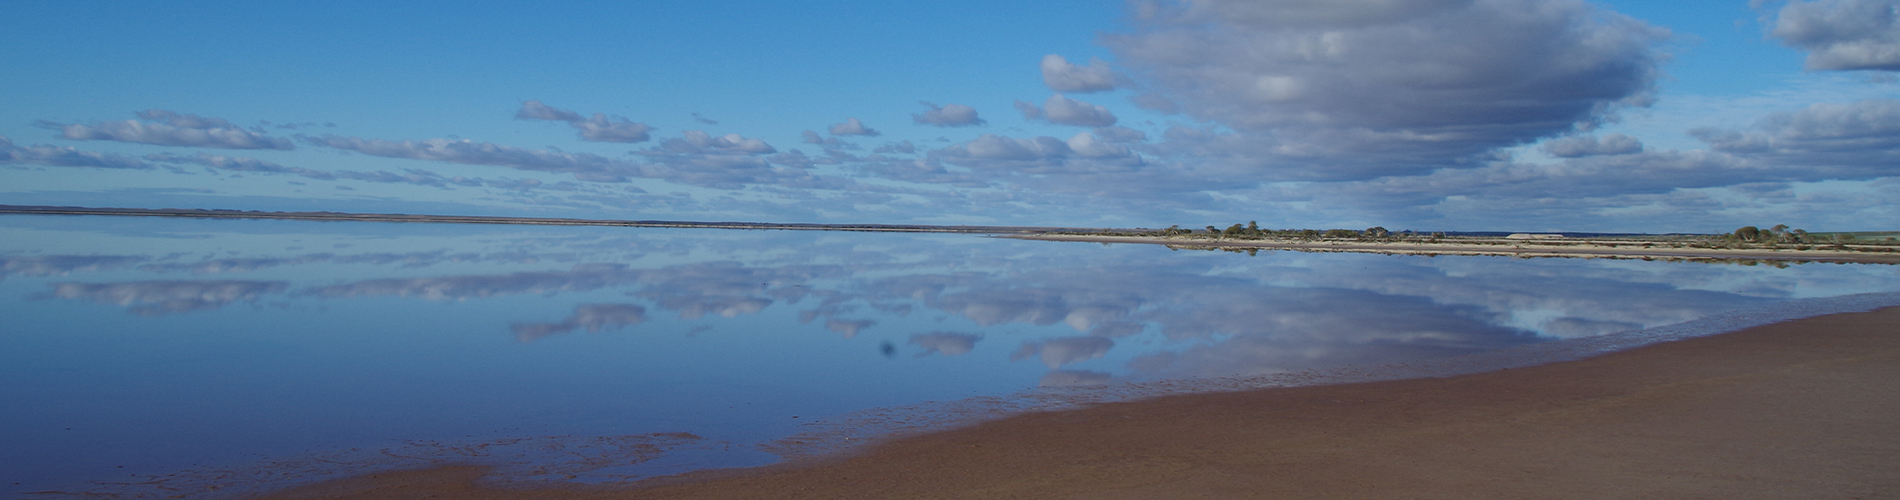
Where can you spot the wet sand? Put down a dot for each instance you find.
(1803, 409)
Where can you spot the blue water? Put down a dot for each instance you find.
(150, 357)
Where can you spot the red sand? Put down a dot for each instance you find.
(1804, 409)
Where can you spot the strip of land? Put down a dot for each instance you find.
(1627, 248)
(1802, 409)
(535, 221)
(1671, 247)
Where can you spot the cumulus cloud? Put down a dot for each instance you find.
(948, 115)
(1030, 110)
(1120, 134)
(700, 142)
(600, 127)
(58, 156)
(1076, 113)
(1842, 34)
(604, 128)
(238, 164)
(1851, 140)
(996, 147)
(1580, 146)
(899, 147)
(167, 128)
(1087, 145)
(414, 176)
(1063, 110)
(1363, 89)
(948, 343)
(695, 158)
(1061, 76)
(1082, 153)
(535, 110)
(811, 137)
(583, 166)
(852, 126)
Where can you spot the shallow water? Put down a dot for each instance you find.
(154, 357)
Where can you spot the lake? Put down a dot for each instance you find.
(152, 357)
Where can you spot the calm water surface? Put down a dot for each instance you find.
(160, 356)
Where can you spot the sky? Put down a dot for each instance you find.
(1431, 115)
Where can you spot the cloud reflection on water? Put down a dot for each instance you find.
(739, 330)
(151, 298)
(593, 317)
(1187, 315)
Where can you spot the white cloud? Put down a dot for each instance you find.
(948, 115)
(900, 147)
(238, 164)
(1366, 88)
(1589, 145)
(598, 128)
(1085, 144)
(583, 166)
(58, 156)
(1842, 34)
(811, 137)
(852, 126)
(535, 110)
(1066, 111)
(698, 141)
(1120, 134)
(167, 128)
(1061, 76)
(1029, 110)
(1855, 140)
(1063, 110)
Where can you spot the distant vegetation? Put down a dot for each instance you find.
(1779, 236)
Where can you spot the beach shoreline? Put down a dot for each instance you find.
(1494, 247)
(1797, 409)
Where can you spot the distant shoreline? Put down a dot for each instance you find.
(1606, 247)
(1500, 247)
(534, 221)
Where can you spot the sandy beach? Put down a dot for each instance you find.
(1802, 409)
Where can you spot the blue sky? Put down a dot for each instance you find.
(1422, 114)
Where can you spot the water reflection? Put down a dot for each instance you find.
(162, 297)
(718, 333)
(593, 317)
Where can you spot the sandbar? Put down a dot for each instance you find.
(1802, 409)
